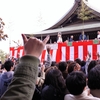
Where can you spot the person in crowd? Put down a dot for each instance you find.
(83, 63)
(37, 94)
(39, 83)
(48, 61)
(98, 58)
(6, 77)
(82, 36)
(69, 62)
(91, 65)
(53, 63)
(12, 59)
(88, 60)
(41, 76)
(1, 67)
(76, 84)
(23, 83)
(0, 64)
(59, 38)
(2, 70)
(98, 35)
(62, 66)
(54, 87)
(78, 60)
(71, 38)
(73, 67)
(94, 81)
(17, 59)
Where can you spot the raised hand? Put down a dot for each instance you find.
(89, 54)
(48, 49)
(34, 46)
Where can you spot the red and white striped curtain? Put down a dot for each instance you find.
(63, 51)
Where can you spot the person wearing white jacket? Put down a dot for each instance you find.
(77, 87)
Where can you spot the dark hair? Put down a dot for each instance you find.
(53, 63)
(83, 63)
(53, 76)
(62, 66)
(8, 64)
(76, 82)
(71, 67)
(0, 62)
(98, 61)
(92, 64)
(69, 61)
(2, 66)
(94, 77)
(78, 60)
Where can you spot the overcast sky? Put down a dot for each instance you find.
(29, 16)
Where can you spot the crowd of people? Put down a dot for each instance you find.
(29, 79)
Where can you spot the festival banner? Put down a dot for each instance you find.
(64, 51)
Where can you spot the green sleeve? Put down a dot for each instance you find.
(23, 84)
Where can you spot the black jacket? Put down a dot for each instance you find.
(51, 93)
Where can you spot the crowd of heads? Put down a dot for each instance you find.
(57, 80)
(70, 78)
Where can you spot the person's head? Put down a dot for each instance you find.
(53, 76)
(76, 82)
(94, 78)
(62, 66)
(59, 34)
(53, 63)
(83, 62)
(78, 60)
(71, 37)
(82, 32)
(9, 65)
(73, 67)
(92, 64)
(98, 32)
(69, 62)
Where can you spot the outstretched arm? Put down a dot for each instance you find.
(88, 60)
(23, 84)
(48, 61)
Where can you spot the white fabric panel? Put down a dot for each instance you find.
(11, 53)
(80, 52)
(71, 56)
(98, 49)
(21, 52)
(54, 54)
(63, 56)
(15, 54)
(89, 48)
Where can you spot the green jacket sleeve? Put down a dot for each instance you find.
(23, 84)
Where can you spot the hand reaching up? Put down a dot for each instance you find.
(89, 54)
(48, 49)
(34, 46)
